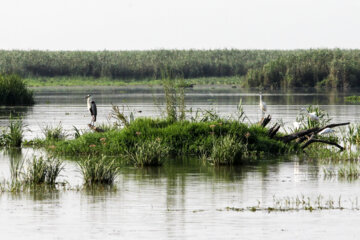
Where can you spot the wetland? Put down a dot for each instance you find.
(283, 195)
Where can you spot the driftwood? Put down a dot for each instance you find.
(273, 130)
(313, 140)
(309, 132)
(306, 136)
(264, 121)
(95, 129)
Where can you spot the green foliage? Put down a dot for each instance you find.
(306, 122)
(12, 136)
(309, 68)
(13, 91)
(227, 151)
(182, 137)
(41, 171)
(54, 133)
(352, 99)
(134, 64)
(174, 90)
(97, 170)
(148, 153)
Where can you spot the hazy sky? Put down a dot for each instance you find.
(178, 24)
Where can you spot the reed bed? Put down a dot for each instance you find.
(13, 91)
(331, 68)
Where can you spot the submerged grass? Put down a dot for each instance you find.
(299, 203)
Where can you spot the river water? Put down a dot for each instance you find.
(184, 199)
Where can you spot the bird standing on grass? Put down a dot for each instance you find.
(91, 105)
(312, 115)
(262, 105)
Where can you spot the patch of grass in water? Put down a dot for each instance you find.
(43, 171)
(352, 99)
(12, 136)
(148, 153)
(97, 170)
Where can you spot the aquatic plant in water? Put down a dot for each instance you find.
(43, 171)
(12, 136)
(148, 153)
(97, 170)
(227, 151)
(54, 133)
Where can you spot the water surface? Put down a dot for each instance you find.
(185, 199)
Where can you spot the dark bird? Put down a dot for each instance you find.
(91, 105)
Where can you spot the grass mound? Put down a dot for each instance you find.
(152, 139)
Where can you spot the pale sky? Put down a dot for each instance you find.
(178, 24)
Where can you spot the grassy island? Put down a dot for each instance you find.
(149, 141)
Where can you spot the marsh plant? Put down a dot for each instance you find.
(174, 91)
(118, 114)
(56, 133)
(13, 91)
(43, 171)
(148, 153)
(12, 136)
(226, 151)
(98, 170)
(305, 120)
(349, 171)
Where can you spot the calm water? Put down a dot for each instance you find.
(184, 200)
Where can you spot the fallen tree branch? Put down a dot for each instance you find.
(313, 140)
(95, 129)
(265, 121)
(273, 130)
(308, 132)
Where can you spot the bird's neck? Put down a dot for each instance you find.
(260, 98)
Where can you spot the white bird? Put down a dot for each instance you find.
(262, 105)
(326, 131)
(312, 115)
(91, 105)
(296, 125)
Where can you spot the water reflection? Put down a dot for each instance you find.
(181, 199)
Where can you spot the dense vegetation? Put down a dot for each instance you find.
(181, 137)
(311, 68)
(13, 91)
(133, 64)
(260, 68)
